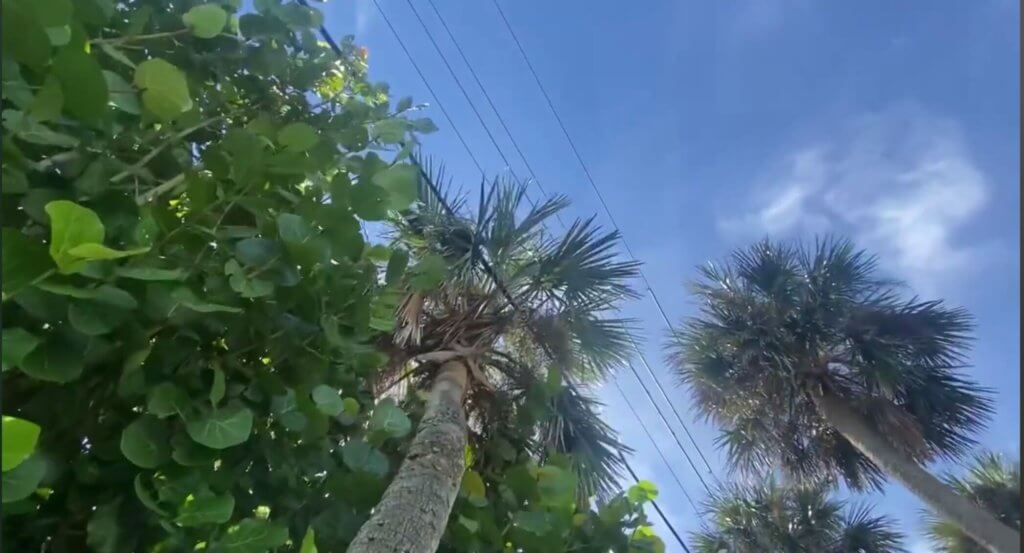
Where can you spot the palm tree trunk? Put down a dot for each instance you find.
(972, 519)
(412, 515)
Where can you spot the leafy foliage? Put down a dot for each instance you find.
(772, 517)
(780, 323)
(193, 322)
(989, 481)
(183, 275)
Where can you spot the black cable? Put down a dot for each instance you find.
(490, 102)
(427, 84)
(670, 429)
(458, 83)
(488, 269)
(604, 205)
(656, 446)
(658, 509)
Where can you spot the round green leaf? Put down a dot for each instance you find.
(166, 399)
(390, 419)
(429, 273)
(401, 182)
(71, 225)
(642, 492)
(164, 89)
(24, 260)
(19, 482)
(82, 83)
(146, 498)
(369, 201)
(17, 343)
(205, 508)
(361, 456)
(327, 400)
(222, 428)
(297, 137)
(19, 440)
(53, 362)
(47, 103)
(24, 38)
(473, 488)
(144, 442)
(92, 318)
(253, 535)
(205, 20)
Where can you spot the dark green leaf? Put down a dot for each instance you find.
(53, 362)
(103, 533)
(297, 137)
(253, 535)
(327, 400)
(82, 83)
(21, 481)
(122, 95)
(361, 456)
(24, 260)
(222, 428)
(24, 38)
(17, 343)
(205, 508)
(390, 419)
(401, 182)
(145, 442)
(166, 399)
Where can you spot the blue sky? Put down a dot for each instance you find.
(708, 125)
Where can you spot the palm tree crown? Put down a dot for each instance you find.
(778, 323)
(993, 483)
(794, 519)
(538, 307)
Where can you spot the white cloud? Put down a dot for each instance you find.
(900, 182)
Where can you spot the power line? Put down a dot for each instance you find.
(490, 102)
(656, 446)
(670, 429)
(458, 83)
(658, 509)
(488, 269)
(422, 78)
(607, 210)
(522, 156)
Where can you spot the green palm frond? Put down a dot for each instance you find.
(778, 321)
(989, 481)
(562, 290)
(793, 519)
(574, 427)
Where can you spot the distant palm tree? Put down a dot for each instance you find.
(791, 519)
(513, 310)
(993, 483)
(813, 363)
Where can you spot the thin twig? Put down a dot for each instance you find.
(138, 165)
(133, 38)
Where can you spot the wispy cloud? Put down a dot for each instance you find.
(901, 182)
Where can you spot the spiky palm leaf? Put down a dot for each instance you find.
(549, 314)
(777, 321)
(796, 519)
(991, 482)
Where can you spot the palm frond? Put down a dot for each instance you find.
(778, 320)
(793, 518)
(989, 481)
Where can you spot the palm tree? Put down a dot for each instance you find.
(791, 519)
(993, 483)
(483, 349)
(813, 363)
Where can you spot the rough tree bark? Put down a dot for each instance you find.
(412, 515)
(980, 525)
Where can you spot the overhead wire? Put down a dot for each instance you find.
(611, 217)
(489, 270)
(658, 509)
(656, 446)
